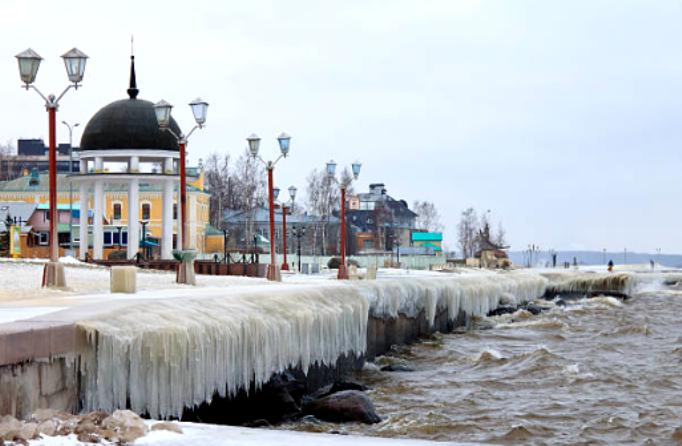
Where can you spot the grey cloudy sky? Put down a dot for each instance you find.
(562, 117)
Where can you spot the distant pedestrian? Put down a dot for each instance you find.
(652, 265)
(610, 265)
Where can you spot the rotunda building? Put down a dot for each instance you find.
(123, 144)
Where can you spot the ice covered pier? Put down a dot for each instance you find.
(170, 348)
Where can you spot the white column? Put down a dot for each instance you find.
(84, 166)
(133, 214)
(134, 166)
(97, 227)
(99, 164)
(167, 221)
(83, 230)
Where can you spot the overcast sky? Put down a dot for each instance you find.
(561, 117)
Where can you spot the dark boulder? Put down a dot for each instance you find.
(347, 405)
(504, 309)
(560, 303)
(534, 309)
(396, 368)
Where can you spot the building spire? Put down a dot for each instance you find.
(132, 90)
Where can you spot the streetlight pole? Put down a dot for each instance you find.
(292, 195)
(298, 233)
(254, 145)
(71, 127)
(29, 62)
(331, 172)
(163, 116)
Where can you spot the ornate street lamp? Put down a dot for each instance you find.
(292, 195)
(331, 173)
(284, 141)
(29, 62)
(163, 109)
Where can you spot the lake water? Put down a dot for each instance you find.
(597, 371)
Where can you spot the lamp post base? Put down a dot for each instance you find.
(185, 272)
(285, 266)
(53, 275)
(273, 273)
(343, 272)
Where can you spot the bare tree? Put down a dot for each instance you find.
(500, 235)
(219, 179)
(428, 218)
(467, 231)
(322, 198)
(7, 151)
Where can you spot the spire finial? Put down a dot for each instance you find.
(132, 90)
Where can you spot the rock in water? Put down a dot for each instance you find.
(534, 309)
(504, 309)
(347, 405)
(340, 386)
(396, 368)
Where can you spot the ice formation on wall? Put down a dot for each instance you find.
(158, 357)
(164, 355)
(581, 282)
(475, 293)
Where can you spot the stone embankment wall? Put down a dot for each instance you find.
(172, 354)
(56, 383)
(37, 384)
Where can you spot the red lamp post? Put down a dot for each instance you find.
(254, 145)
(163, 116)
(292, 194)
(29, 62)
(331, 172)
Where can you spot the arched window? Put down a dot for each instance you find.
(117, 211)
(146, 211)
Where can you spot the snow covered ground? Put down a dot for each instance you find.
(214, 435)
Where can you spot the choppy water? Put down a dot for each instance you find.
(597, 371)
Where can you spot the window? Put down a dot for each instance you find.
(369, 244)
(123, 240)
(46, 216)
(107, 238)
(117, 211)
(175, 211)
(43, 238)
(146, 211)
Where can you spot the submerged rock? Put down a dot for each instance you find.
(347, 405)
(396, 368)
(534, 309)
(504, 309)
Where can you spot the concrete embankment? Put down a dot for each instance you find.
(164, 355)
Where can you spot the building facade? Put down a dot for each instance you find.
(32, 154)
(379, 223)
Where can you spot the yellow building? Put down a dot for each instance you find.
(33, 188)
